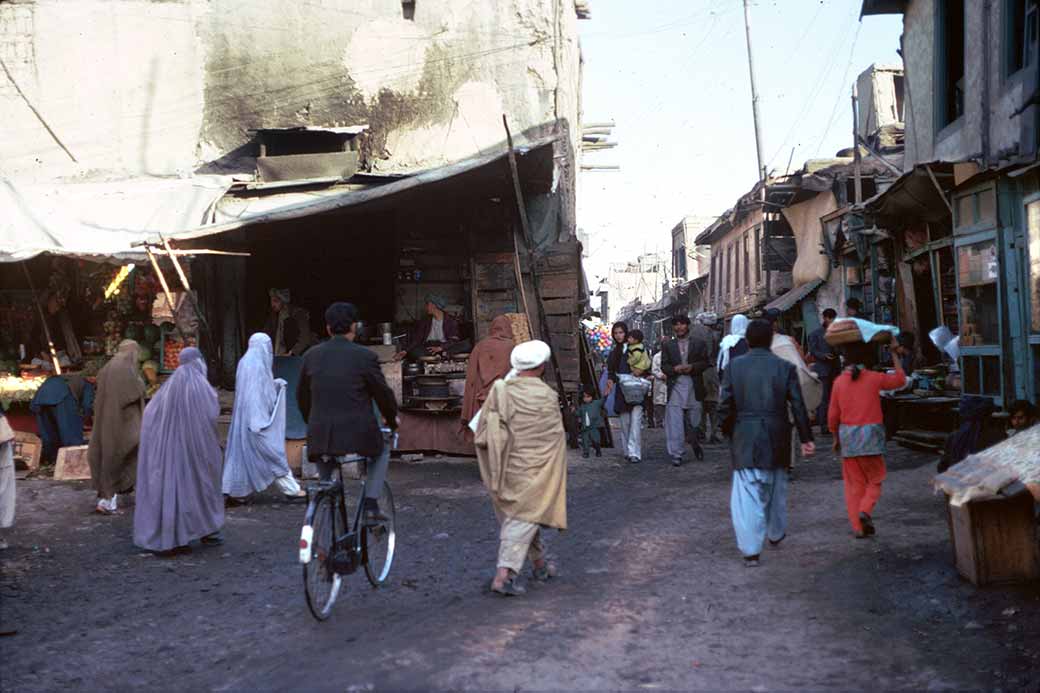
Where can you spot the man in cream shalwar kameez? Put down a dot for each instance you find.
(522, 451)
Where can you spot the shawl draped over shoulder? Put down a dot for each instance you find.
(118, 407)
(488, 362)
(522, 452)
(178, 483)
(255, 453)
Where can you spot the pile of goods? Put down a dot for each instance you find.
(597, 334)
(14, 388)
(849, 330)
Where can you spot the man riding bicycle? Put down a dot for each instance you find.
(339, 382)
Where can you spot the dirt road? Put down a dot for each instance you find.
(653, 594)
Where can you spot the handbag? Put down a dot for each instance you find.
(633, 388)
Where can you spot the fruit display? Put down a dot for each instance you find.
(14, 388)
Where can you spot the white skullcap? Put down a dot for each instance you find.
(529, 355)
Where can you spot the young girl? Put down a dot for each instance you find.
(855, 417)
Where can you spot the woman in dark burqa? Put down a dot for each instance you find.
(118, 409)
(179, 464)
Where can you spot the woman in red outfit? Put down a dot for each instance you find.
(859, 431)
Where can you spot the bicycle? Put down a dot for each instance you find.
(331, 550)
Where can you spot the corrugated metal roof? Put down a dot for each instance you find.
(792, 297)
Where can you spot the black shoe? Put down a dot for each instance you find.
(373, 517)
(677, 462)
(599, 454)
(751, 561)
(868, 525)
(584, 455)
(776, 543)
(698, 452)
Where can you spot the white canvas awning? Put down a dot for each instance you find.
(100, 219)
(104, 219)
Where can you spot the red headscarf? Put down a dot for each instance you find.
(488, 362)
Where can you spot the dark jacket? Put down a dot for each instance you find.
(756, 392)
(617, 365)
(58, 415)
(697, 356)
(827, 364)
(594, 411)
(338, 382)
(296, 331)
(417, 337)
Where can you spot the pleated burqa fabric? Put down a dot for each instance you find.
(179, 462)
(255, 454)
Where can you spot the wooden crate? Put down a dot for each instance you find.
(72, 464)
(995, 540)
(27, 450)
(294, 454)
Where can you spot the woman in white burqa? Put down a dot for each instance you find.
(255, 455)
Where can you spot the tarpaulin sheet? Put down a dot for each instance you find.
(100, 219)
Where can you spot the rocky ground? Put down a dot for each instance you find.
(652, 594)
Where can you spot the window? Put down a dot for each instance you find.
(976, 209)
(980, 311)
(1033, 227)
(736, 266)
(1020, 34)
(949, 47)
(747, 266)
(758, 253)
(729, 272)
(899, 86)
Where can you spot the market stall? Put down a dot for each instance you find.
(64, 318)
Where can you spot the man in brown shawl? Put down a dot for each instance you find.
(488, 362)
(118, 408)
(522, 451)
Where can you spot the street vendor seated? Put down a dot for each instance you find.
(435, 334)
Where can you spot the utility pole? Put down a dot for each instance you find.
(754, 90)
(857, 168)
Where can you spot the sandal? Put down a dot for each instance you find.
(548, 571)
(215, 539)
(509, 588)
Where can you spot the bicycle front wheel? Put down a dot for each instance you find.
(320, 582)
(380, 540)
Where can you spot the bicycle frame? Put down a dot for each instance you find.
(350, 540)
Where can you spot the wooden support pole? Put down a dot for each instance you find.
(524, 225)
(165, 288)
(43, 319)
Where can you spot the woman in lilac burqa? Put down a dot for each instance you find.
(179, 463)
(255, 456)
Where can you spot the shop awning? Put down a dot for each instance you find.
(104, 219)
(794, 296)
(100, 219)
(339, 198)
(917, 194)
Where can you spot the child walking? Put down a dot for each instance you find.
(855, 417)
(590, 420)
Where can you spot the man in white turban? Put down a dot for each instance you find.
(522, 451)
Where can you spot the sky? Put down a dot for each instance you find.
(674, 79)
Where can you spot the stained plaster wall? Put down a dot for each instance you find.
(169, 87)
(961, 140)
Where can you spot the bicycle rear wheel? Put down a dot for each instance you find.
(320, 582)
(380, 540)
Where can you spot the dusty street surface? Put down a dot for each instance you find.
(653, 595)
